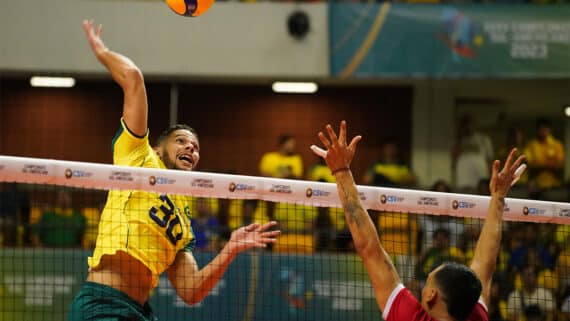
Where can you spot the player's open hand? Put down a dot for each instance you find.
(338, 155)
(94, 36)
(253, 236)
(501, 181)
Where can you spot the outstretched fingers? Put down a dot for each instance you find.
(251, 227)
(354, 142)
(265, 236)
(268, 225)
(319, 151)
(324, 140)
(99, 30)
(342, 133)
(332, 136)
(508, 162)
(517, 164)
(87, 26)
(518, 169)
(495, 169)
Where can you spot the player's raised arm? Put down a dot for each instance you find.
(338, 157)
(487, 249)
(127, 75)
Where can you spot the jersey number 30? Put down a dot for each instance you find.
(167, 218)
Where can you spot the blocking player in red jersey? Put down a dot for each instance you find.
(452, 291)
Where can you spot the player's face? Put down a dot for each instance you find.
(181, 150)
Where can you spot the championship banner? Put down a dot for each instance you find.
(414, 40)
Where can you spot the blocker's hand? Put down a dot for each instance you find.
(502, 181)
(337, 155)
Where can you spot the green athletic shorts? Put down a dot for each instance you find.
(98, 302)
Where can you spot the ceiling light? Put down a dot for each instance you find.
(295, 87)
(60, 82)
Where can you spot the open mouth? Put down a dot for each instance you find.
(186, 160)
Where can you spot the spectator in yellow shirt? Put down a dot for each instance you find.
(545, 157)
(283, 163)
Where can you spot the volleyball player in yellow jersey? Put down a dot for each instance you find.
(143, 234)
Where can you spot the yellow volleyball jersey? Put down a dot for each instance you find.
(150, 227)
(322, 173)
(276, 165)
(396, 173)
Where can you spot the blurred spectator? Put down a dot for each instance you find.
(295, 218)
(320, 172)
(430, 223)
(398, 231)
(14, 215)
(497, 306)
(472, 226)
(545, 157)
(526, 247)
(546, 278)
(224, 217)
(246, 211)
(205, 224)
(531, 302)
(439, 253)
(92, 216)
(283, 163)
(60, 226)
(515, 138)
(564, 314)
(441, 186)
(472, 155)
(389, 170)
(325, 232)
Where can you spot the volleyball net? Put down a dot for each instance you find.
(50, 211)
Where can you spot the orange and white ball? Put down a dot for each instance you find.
(190, 8)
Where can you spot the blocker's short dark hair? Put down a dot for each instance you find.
(460, 288)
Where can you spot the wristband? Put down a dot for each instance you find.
(338, 170)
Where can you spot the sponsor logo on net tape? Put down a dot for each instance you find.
(154, 180)
(462, 205)
(310, 192)
(390, 199)
(240, 187)
(533, 211)
(76, 173)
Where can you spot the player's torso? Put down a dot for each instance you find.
(151, 227)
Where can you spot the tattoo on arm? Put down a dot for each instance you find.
(502, 200)
(352, 208)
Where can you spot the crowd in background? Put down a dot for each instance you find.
(532, 281)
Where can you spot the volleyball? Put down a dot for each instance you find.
(189, 8)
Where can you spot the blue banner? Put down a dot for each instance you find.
(385, 40)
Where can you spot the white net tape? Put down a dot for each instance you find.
(204, 184)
